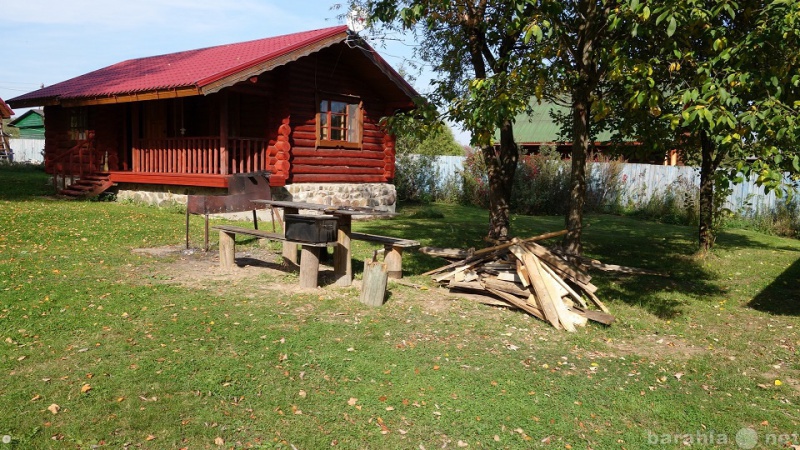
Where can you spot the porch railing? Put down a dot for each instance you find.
(199, 155)
(81, 160)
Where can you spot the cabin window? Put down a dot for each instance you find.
(78, 119)
(339, 122)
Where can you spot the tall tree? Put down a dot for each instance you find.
(475, 48)
(728, 74)
(575, 50)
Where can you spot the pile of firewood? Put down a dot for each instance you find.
(524, 275)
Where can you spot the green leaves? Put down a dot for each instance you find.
(673, 25)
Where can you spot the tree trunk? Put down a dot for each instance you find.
(501, 165)
(580, 148)
(706, 232)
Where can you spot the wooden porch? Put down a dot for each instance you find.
(196, 161)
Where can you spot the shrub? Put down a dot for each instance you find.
(416, 177)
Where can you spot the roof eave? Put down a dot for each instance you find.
(266, 64)
(387, 70)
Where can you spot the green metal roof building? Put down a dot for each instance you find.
(30, 124)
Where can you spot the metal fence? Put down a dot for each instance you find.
(641, 182)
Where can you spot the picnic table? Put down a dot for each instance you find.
(342, 254)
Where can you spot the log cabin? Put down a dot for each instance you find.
(305, 107)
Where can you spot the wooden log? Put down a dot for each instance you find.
(393, 258)
(226, 250)
(373, 285)
(289, 252)
(342, 264)
(448, 253)
(309, 266)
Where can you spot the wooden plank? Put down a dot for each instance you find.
(552, 296)
(484, 299)
(400, 242)
(558, 264)
(505, 286)
(539, 290)
(518, 241)
(534, 311)
(565, 286)
(596, 316)
(448, 253)
(598, 303)
(457, 270)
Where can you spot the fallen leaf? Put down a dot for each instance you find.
(85, 388)
(679, 375)
(54, 408)
(302, 393)
(352, 401)
(462, 444)
(778, 382)
(219, 441)
(21, 358)
(150, 437)
(390, 408)
(36, 397)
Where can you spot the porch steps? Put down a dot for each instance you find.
(88, 186)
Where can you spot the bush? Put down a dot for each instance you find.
(415, 178)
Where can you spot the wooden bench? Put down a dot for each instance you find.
(393, 253)
(309, 255)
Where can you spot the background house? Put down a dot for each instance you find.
(305, 107)
(539, 129)
(28, 144)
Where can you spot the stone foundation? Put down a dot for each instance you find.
(380, 196)
(161, 195)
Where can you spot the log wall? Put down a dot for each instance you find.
(322, 74)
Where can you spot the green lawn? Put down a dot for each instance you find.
(135, 357)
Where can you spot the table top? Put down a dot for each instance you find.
(328, 209)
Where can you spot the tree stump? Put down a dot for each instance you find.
(309, 266)
(226, 250)
(373, 286)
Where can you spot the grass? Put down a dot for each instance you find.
(136, 359)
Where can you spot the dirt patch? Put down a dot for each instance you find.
(657, 347)
(260, 269)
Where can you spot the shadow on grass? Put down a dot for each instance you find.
(782, 296)
(23, 182)
(611, 239)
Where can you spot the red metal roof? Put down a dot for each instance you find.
(193, 68)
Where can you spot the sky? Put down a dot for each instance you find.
(48, 41)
